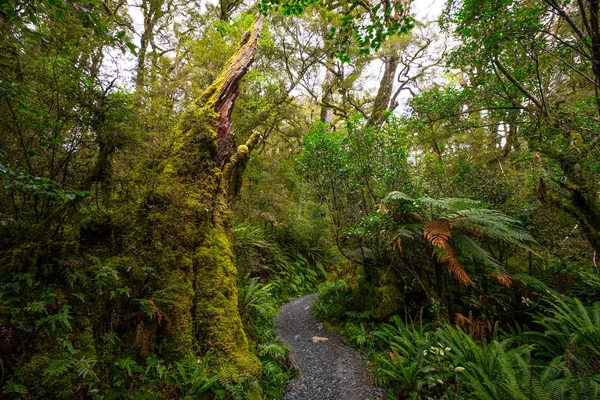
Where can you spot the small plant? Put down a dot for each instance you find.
(193, 378)
(329, 305)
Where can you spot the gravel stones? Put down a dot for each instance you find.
(329, 369)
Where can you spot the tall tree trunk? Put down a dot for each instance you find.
(327, 97)
(384, 94)
(204, 174)
(141, 61)
(152, 12)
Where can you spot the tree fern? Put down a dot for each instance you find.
(450, 226)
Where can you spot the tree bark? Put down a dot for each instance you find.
(384, 94)
(327, 96)
(221, 95)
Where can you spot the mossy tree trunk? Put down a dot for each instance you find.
(203, 177)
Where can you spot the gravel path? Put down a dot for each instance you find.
(329, 370)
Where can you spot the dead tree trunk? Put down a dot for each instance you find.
(201, 180)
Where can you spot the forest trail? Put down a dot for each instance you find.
(329, 369)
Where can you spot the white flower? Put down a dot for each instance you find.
(459, 369)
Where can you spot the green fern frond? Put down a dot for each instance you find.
(57, 367)
(491, 223)
(470, 250)
(397, 197)
(445, 206)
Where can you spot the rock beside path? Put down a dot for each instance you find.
(329, 369)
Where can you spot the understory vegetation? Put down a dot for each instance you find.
(172, 172)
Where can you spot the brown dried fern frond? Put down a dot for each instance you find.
(475, 328)
(503, 279)
(160, 314)
(462, 321)
(143, 338)
(437, 233)
(456, 269)
(394, 237)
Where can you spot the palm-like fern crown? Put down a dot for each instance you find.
(452, 226)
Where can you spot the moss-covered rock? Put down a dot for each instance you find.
(379, 292)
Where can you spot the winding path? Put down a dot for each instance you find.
(329, 369)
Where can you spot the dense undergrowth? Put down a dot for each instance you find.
(472, 297)
(555, 356)
(272, 275)
(144, 255)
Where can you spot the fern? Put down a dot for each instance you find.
(401, 366)
(276, 351)
(471, 251)
(192, 376)
(249, 237)
(574, 328)
(245, 389)
(397, 197)
(534, 283)
(14, 387)
(57, 367)
(84, 367)
(451, 226)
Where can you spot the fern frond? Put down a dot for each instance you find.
(437, 233)
(444, 206)
(449, 256)
(533, 283)
(504, 279)
(491, 223)
(397, 197)
(470, 250)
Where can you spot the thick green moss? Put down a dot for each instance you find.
(179, 338)
(219, 326)
(390, 299)
(379, 293)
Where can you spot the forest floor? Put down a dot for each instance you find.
(329, 369)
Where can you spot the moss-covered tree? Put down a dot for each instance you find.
(193, 203)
